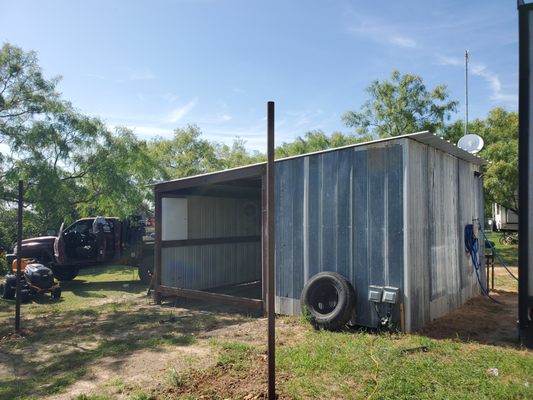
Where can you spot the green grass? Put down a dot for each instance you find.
(97, 319)
(509, 253)
(341, 365)
(104, 313)
(94, 319)
(235, 354)
(92, 286)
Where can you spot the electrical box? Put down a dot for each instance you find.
(390, 295)
(375, 293)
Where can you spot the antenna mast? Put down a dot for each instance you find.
(466, 92)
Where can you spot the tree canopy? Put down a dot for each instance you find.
(70, 163)
(401, 105)
(500, 134)
(315, 141)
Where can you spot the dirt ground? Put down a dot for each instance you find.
(481, 320)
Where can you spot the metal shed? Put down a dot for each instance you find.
(385, 213)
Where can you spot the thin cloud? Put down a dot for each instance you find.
(180, 112)
(380, 31)
(402, 41)
(126, 75)
(481, 70)
(141, 75)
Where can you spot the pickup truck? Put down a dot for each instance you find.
(91, 242)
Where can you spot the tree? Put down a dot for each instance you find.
(500, 134)
(70, 163)
(401, 105)
(116, 177)
(24, 92)
(186, 154)
(316, 141)
(236, 155)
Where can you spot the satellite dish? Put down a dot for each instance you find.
(471, 143)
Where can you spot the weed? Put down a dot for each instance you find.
(92, 397)
(175, 378)
(141, 396)
(306, 315)
(235, 354)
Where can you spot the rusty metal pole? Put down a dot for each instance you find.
(19, 258)
(271, 253)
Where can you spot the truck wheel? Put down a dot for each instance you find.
(56, 293)
(24, 295)
(66, 274)
(6, 291)
(145, 274)
(328, 300)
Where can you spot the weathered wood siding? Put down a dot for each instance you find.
(217, 264)
(340, 211)
(442, 196)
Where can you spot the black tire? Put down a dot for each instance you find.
(146, 270)
(56, 293)
(24, 295)
(6, 291)
(65, 274)
(328, 299)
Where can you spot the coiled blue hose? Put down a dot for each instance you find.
(472, 246)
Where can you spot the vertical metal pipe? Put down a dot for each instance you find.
(525, 178)
(19, 258)
(492, 283)
(487, 267)
(466, 92)
(157, 247)
(271, 254)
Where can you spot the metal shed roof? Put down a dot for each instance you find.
(248, 171)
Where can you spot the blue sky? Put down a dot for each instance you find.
(158, 65)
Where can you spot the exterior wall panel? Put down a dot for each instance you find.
(344, 210)
(444, 196)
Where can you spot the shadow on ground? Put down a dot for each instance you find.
(480, 320)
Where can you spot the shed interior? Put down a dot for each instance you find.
(211, 238)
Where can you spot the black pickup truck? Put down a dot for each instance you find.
(91, 242)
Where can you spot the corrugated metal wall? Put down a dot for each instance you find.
(216, 264)
(210, 266)
(340, 211)
(443, 196)
(220, 217)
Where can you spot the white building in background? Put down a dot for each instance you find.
(504, 219)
